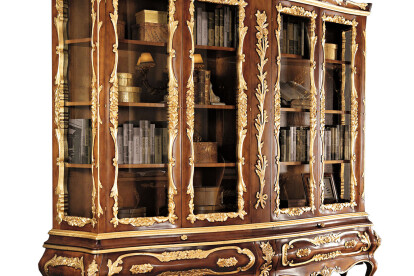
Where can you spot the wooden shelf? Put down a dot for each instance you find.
(78, 104)
(142, 178)
(142, 43)
(294, 163)
(337, 112)
(214, 165)
(211, 106)
(340, 62)
(336, 162)
(143, 166)
(157, 105)
(78, 40)
(78, 166)
(215, 48)
(291, 109)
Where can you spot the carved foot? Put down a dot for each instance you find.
(371, 268)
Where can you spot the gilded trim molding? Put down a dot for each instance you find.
(141, 269)
(198, 254)
(241, 119)
(297, 11)
(261, 90)
(323, 240)
(332, 7)
(354, 114)
(268, 254)
(60, 114)
(75, 263)
(227, 262)
(173, 107)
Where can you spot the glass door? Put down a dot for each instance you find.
(339, 113)
(76, 115)
(216, 110)
(295, 110)
(144, 98)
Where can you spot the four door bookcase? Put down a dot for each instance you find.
(209, 137)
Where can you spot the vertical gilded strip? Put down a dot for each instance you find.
(261, 91)
(323, 117)
(241, 119)
(298, 11)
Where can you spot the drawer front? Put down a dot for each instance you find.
(212, 261)
(306, 250)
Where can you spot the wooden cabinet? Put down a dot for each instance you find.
(208, 137)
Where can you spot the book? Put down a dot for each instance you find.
(136, 146)
(199, 26)
(217, 27)
(290, 37)
(74, 141)
(130, 143)
(202, 86)
(125, 143)
(302, 38)
(221, 27)
(296, 38)
(231, 23)
(204, 28)
(158, 145)
(120, 145)
(226, 26)
(144, 125)
(165, 139)
(282, 143)
(211, 29)
(292, 144)
(152, 143)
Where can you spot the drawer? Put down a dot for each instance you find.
(319, 248)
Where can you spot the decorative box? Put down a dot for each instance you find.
(152, 32)
(151, 16)
(129, 94)
(207, 199)
(205, 152)
(125, 79)
(331, 51)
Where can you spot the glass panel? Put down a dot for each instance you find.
(215, 96)
(294, 137)
(143, 119)
(337, 135)
(78, 141)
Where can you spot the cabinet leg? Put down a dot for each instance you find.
(344, 274)
(371, 268)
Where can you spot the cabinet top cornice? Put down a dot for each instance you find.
(344, 6)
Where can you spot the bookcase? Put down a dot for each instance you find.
(209, 137)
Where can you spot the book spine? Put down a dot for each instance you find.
(211, 29)
(136, 146)
(120, 144)
(291, 42)
(207, 87)
(216, 27)
(221, 27)
(141, 144)
(158, 146)
(147, 143)
(302, 39)
(152, 143)
(199, 97)
(130, 143)
(231, 22)
(199, 26)
(292, 150)
(125, 143)
(204, 27)
(226, 33)
(165, 145)
(296, 38)
(282, 142)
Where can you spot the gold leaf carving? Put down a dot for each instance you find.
(268, 253)
(229, 262)
(241, 117)
(141, 269)
(303, 252)
(76, 263)
(326, 271)
(93, 269)
(350, 244)
(261, 91)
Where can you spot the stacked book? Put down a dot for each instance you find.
(216, 28)
(294, 36)
(143, 142)
(294, 143)
(337, 143)
(202, 86)
(79, 141)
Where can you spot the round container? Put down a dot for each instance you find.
(129, 94)
(125, 79)
(331, 51)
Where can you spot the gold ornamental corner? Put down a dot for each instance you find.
(75, 263)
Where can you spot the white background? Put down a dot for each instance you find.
(26, 136)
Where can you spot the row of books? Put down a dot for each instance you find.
(294, 143)
(143, 142)
(216, 28)
(337, 141)
(294, 37)
(79, 146)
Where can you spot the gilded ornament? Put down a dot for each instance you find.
(141, 269)
(75, 263)
(93, 269)
(302, 12)
(379, 240)
(268, 254)
(326, 271)
(228, 262)
(304, 252)
(261, 91)
(173, 107)
(350, 244)
(241, 117)
(198, 254)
